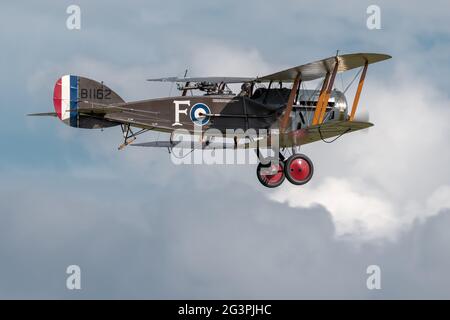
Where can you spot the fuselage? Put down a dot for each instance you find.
(262, 110)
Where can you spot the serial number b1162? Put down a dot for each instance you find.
(97, 94)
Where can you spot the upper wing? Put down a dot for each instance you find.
(319, 69)
(310, 71)
(205, 79)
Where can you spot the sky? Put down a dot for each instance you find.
(139, 226)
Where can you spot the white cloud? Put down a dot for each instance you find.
(217, 58)
(391, 175)
(355, 211)
(439, 200)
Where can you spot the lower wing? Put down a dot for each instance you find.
(322, 131)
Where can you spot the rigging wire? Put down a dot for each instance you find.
(331, 141)
(351, 82)
(342, 81)
(311, 97)
(171, 88)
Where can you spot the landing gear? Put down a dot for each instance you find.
(298, 169)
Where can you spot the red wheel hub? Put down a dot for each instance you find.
(299, 169)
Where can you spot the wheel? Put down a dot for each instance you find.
(298, 169)
(270, 175)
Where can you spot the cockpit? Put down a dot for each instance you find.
(304, 104)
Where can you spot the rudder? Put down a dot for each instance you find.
(72, 92)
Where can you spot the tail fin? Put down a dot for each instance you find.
(73, 92)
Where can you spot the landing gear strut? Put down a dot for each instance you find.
(298, 169)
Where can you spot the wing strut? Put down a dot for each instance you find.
(322, 104)
(319, 101)
(185, 90)
(287, 112)
(358, 91)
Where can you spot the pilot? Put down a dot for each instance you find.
(245, 89)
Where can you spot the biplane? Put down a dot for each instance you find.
(276, 102)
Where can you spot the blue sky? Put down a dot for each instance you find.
(140, 226)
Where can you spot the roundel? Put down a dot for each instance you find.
(198, 112)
